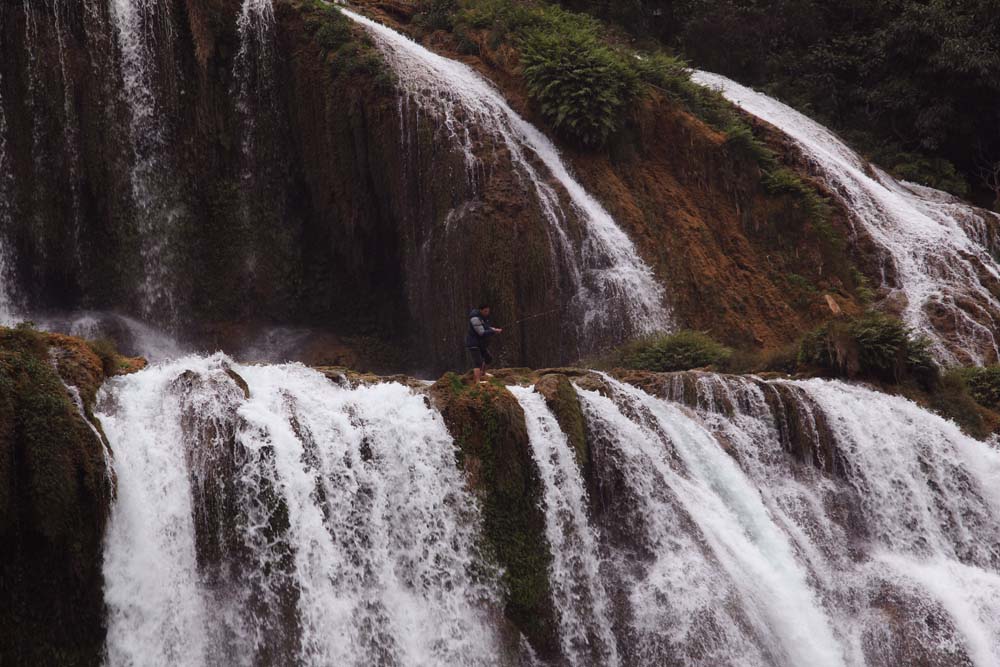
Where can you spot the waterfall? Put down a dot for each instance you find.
(69, 122)
(605, 267)
(686, 482)
(269, 515)
(290, 521)
(257, 108)
(935, 244)
(144, 28)
(8, 314)
(579, 596)
(888, 555)
(253, 70)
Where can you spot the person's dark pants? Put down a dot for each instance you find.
(480, 356)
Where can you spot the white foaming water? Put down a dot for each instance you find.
(608, 274)
(933, 241)
(8, 311)
(347, 508)
(755, 561)
(143, 27)
(253, 74)
(908, 529)
(585, 630)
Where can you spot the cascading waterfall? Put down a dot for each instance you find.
(295, 522)
(8, 314)
(69, 121)
(142, 27)
(607, 272)
(935, 244)
(685, 482)
(257, 108)
(254, 67)
(268, 514)
(584, 608)
(895, 546)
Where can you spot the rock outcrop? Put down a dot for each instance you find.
(358, 215)
(56, 489)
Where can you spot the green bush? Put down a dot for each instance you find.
(666, 72)
(436, 14)
(984, 385)
(107, 352)
(673, 352)
(784, 359)
(502, 17)
(873, 345)
(862, 286)
(952, 400)
(332, 29)
(581, 85)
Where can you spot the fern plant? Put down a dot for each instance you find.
(580, 85)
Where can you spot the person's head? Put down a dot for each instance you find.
(484, 309)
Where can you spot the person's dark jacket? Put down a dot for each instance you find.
(480, 331)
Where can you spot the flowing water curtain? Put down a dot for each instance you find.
(579, 596)
(257, 108)
(290, 525)
(932, 244)
(145, 35)
(60, 10)
(54, 146)
(884, 503)
(610, 284)
(8, 300)
(776, 609)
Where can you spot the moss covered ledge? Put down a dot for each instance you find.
(55, 497)
(487, 424)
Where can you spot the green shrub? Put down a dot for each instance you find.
(952, 400)
(436, 14)
(984, 385)
(107, 352)
(673, 352)
(862, 286)
(581, 85)
(332, 29)
(502, 17)
(874, 345)
(784, 359)
(668, 73)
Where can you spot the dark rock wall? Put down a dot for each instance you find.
(317, 203)
(55, 497)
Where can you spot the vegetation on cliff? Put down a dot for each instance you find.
(914, 85)
(55, 496)
(872, 347)
(757, 212)
(672, 352)
(488, 426)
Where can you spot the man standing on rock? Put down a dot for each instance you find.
(477, 340)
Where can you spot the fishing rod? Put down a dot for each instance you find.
(536, 316)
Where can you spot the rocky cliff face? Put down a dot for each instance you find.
(56, 490)
(322, 198)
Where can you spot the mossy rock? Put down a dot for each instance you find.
(560, 396)
(55, 498)
(488, 426)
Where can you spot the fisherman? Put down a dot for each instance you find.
(477, 340)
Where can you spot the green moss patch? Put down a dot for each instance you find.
(488, 426)
(671, 352)
(565, 405)
(55, 495)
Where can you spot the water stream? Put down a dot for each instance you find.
(934, 244)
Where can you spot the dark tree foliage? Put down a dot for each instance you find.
(915, 84)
